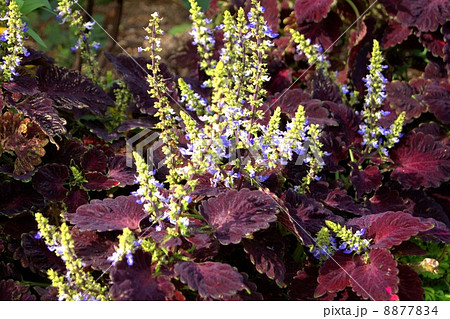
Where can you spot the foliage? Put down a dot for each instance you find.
(281, 167)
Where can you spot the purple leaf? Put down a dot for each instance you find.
(206, 246)
(378, 278)
(25, 84)
(311, 10)
(392, 228)
(49, 181)
(235, 215)
(410, 285)
(367, 180)
(40, 258)
(335, 273)
(92, 249)
(433, 42)
(120, 172)
(109, 214)
(394, 34)
(138, 282)
(266, 253)
(75, 198)
(438, 100)
(406, 97)
(13, 291)
(94, 160)
(421, 161)
(425, 15)
(324, 32)
(306, 216)
(71, 90)
(41, 110)
(211, 279)
(16, 197)
(97, 181)
(386, 199)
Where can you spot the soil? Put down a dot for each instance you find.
(135, 18)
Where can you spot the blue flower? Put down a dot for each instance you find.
(129, 257)
(345, 89)
(96, 45)
(38, 235)
(361, 232)
(89, 25)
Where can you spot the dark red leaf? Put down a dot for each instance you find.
(425, 15)
(92, 249)
(421, 161)
(311, 10)
(305, 216)
(376, 279)
(71, 90)
(49, 181)
(410, 286)
(433, 42)
(109, 214)
(367, 180)
(386, 199)
(16, 197)
(408, 248)
(394, 34)
(41, 110)
(120, 172)
(94, 160)
(392, 228)
(339, 199)
(40, 258)
(438, 100)
(75, 198)
(325, 89)
(406, 97)
(97, 181)
(235, 215)
(25, 84)
(137, 282)
(304, 285)
(13, 291)
(324, 32)
(206, 246)
(211, 279)
(335, 273)
(266, 252)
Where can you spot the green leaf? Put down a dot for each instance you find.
(178, 29)
(31, 5)
(36, 38)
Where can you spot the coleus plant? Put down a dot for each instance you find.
(322, 192)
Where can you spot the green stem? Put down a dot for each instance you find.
(32, 283)
(352, 158)
(354, 7)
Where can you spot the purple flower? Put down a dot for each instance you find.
(129, 257)
(38, 235)
(96, 45)
(345, 89)
(361, 232)
(89, 25)
(188, 199)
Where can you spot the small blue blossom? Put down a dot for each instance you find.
(129, 257)
(89, 25)
(96, 46)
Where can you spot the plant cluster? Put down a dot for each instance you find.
(283, 167)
